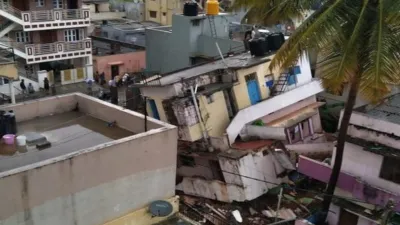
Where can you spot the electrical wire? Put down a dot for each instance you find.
(290, 188)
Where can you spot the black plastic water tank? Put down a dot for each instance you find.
(13, 122)
(190, 9)
(275, 41)
(257, 47)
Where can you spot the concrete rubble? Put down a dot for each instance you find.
(261, 211)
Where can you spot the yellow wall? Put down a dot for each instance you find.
(215, 114)
(240, 90)
(162, 6)
(9, 71)
(143, 217)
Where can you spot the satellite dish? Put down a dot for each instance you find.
(160, 208)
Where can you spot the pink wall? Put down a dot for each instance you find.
(347, 182)
(131, 62)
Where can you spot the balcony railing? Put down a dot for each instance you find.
(55, 15)
(57, 50)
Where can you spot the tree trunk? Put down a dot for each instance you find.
(351, 100)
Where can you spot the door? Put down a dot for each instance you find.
(347, 218)
(253, 89)
(154, 110)
(50, 37)
(72, 4)
(114, 71)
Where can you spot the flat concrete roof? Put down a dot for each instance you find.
(74, 124)
(388, 110)
(67, 132)
(243, 60)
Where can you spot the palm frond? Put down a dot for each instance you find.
(319, 29)
(381, 59)
(270, 12)
(340, 68)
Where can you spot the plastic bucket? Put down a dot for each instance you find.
(21, 140)
(9, 139)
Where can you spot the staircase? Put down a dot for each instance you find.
(6, 27)
(25, 70)
(18, 48)
(281, 84)
(4, 99)
(11, 13)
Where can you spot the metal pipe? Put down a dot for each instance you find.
(279, 205)
(220, 54)
(145, 114)
(196, 106)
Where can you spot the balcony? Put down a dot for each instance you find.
(46, 19)
(36, 53)
(55, 19)
(347, 182)
(271, 105)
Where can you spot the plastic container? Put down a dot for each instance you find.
(21, 140)
(9, 139)
(190, 9)
(212, 7)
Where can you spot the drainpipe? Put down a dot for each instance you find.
(196, 106)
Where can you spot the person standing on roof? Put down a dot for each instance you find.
(22, 86)
(254, 33)
(46, 85)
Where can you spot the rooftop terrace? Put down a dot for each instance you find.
(73, 124)
(67, 132)
(243, 60)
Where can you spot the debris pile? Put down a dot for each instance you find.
(262, 211)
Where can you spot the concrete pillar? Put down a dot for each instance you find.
(89, 67)
(12, 91)
(288, 135)
(310, 125)
(301, 131)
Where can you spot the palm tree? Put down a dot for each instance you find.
(357, 41)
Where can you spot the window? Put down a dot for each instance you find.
(105, 34)
(57, 4)
(196, 22)
(269, 80)
(390, 170)
(22, 36)
(187, 160)
(210, 99)
(153, 14)
(73, 35)
(164, 14)
(39, 3)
